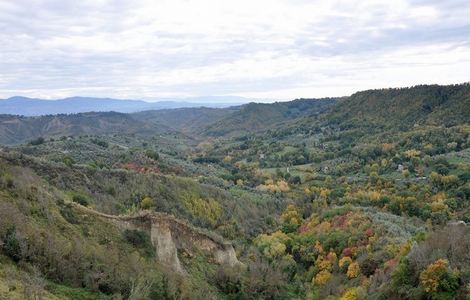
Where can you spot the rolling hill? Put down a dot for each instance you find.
(202, 121)
(17, 129)
(404, 107)
(376, 109)
(255, 117)
(187, 120)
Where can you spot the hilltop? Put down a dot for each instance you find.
(405, 107)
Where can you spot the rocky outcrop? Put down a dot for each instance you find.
(170, 235)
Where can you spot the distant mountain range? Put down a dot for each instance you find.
(368, 112)
(36, 107)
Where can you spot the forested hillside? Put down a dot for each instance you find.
(188, 120)
(18, 129)
(405, 107)
(256, 117)
(360, 197)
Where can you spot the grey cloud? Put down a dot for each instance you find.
(38, 49)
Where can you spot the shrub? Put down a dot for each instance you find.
(68, 161)
(100, 143)
(146, 203)
(139, 239)
(69, 215)
(295, 180)
(152, 154)
(11, 245)
(80, 199)
(368, 266)
(9, 181)
(38, 141)
(228, 280)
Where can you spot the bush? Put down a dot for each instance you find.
(139, 239)
(228, 280)
(68, 161)
(100, 143)
(442, 169)
(368, 266)
(80, 199)
(68, 214)
(8, 181)
(146, 203)
(38, 141)
(152, 154)
(11, 245)
(295, 180)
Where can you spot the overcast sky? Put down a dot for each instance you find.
(278, 49)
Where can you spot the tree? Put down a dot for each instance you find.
(274, 245)
(344, 262)
(291, 215)
(449, 181)
(353, 270)
(350, 294)
(322, 277)
(437, 279)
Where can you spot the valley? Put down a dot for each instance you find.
(358, 197)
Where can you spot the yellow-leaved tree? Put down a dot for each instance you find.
(322, 277)
(438, 277)
(274, 245)
(205, 209)
(344, 262)
(291, 215)
(353, 270)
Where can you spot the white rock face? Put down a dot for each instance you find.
(165, 248)
(168, 235)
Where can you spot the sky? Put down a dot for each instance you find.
(265, 49)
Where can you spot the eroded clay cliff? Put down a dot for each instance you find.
(170, 235)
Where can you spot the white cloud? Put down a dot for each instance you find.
(279, 49)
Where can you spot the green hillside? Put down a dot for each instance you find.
(405, 107)
(187, 120)
(17, 129)
(361, 197)
(255, 117)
